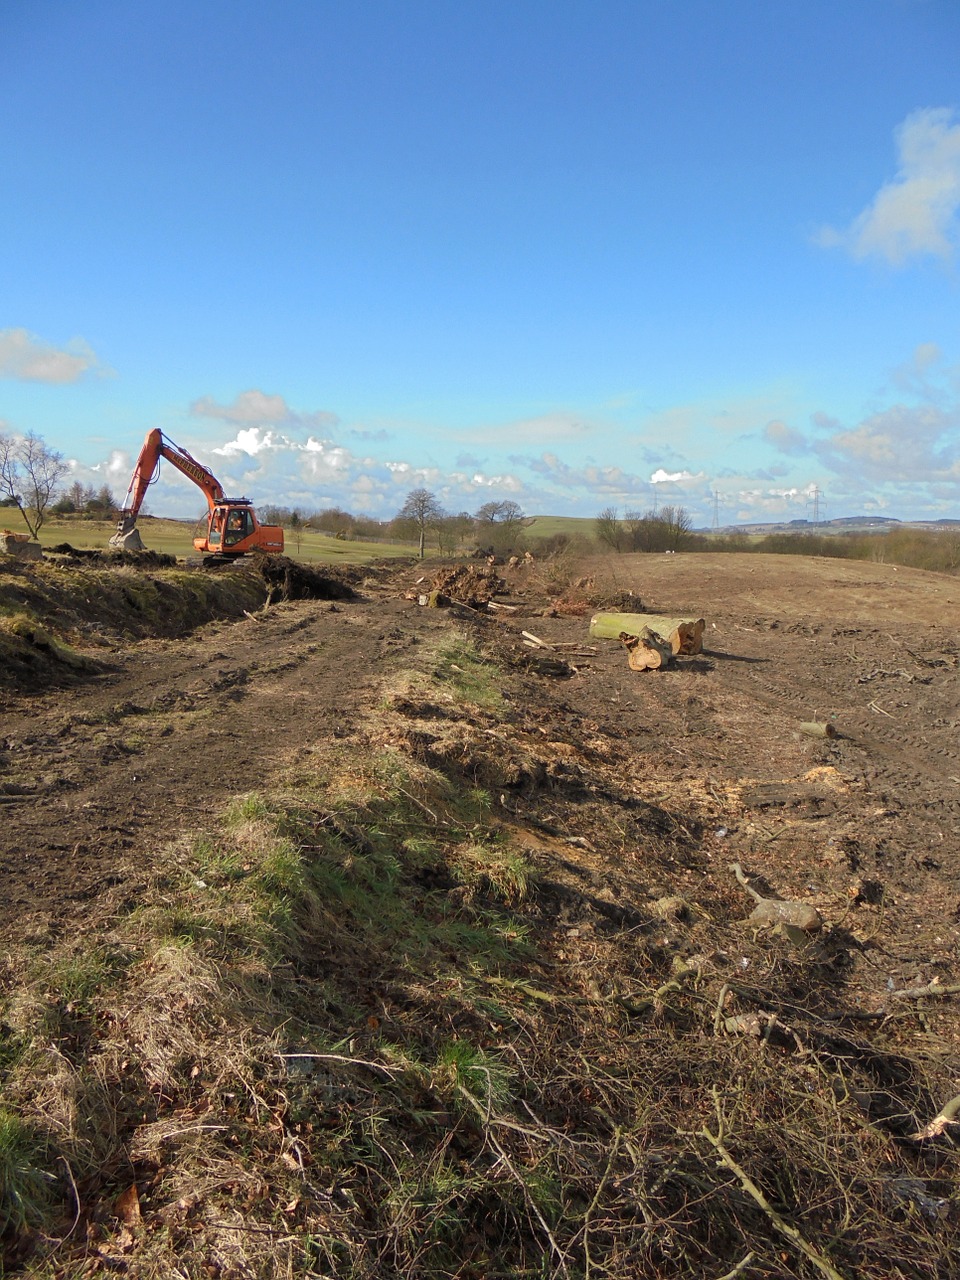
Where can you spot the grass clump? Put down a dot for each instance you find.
(468, 674)
(493, 868)
(24, 1182)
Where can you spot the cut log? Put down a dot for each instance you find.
(818, 729)
(647, 651)
(684, 634)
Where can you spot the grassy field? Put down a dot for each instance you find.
(572, 526)
(175, 537)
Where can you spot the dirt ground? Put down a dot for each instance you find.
(96, 779)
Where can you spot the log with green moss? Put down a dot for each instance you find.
(684, 634)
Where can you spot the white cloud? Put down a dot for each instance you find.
(27, 358)
(901, 444)
(506, 483)
(258, 408)
(674, 477)
(915, 214)
(251, 441)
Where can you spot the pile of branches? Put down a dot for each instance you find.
(469, 584)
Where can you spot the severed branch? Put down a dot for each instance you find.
(947, 1115)
(933, 988)
(739, 1269)
(785, 1228)
(487, 1119)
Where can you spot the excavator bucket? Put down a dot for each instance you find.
(128, 542)
(127, 536)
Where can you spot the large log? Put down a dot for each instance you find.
(646, 652)
(684, 634)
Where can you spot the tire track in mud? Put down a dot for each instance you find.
(96, 780)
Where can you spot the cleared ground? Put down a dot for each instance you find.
(630, 796)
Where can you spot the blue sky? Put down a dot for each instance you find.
(575, 254)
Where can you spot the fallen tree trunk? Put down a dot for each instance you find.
(647, 651)
(685, 635)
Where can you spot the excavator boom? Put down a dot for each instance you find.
(232, 525)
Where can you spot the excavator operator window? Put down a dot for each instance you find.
(239, 525)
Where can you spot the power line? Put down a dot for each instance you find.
(814, 498)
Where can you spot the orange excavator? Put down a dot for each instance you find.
(232, 525)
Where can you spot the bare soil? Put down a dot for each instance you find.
(632, 794)
(95, 779)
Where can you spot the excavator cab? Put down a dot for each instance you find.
(233, 530)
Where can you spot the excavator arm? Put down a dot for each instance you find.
(155, 447)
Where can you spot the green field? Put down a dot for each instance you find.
(175, 538)
(572, 526)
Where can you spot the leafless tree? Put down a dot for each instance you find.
(677, 524)
(423, 511)
(610, 529)
(30, 476)
(500, 525)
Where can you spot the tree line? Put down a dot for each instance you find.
(496, 526)
(32, 479)
(668, 529)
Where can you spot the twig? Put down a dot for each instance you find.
(76, 1199)
(785, 1228)
(337, 1057)
(739, 1269)
(933, 988)
(873, 707)
(532, 1204)
(540, 644)
(595, 1201)
(718, 1015)
(424, 808)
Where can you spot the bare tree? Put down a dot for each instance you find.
(30, 476)
(500, 525)
(677, 525)
(423, 511)
(668, 529)
(334, 520)
(610, 529)
(296, 528)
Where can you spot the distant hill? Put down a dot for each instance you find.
(842, 524)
